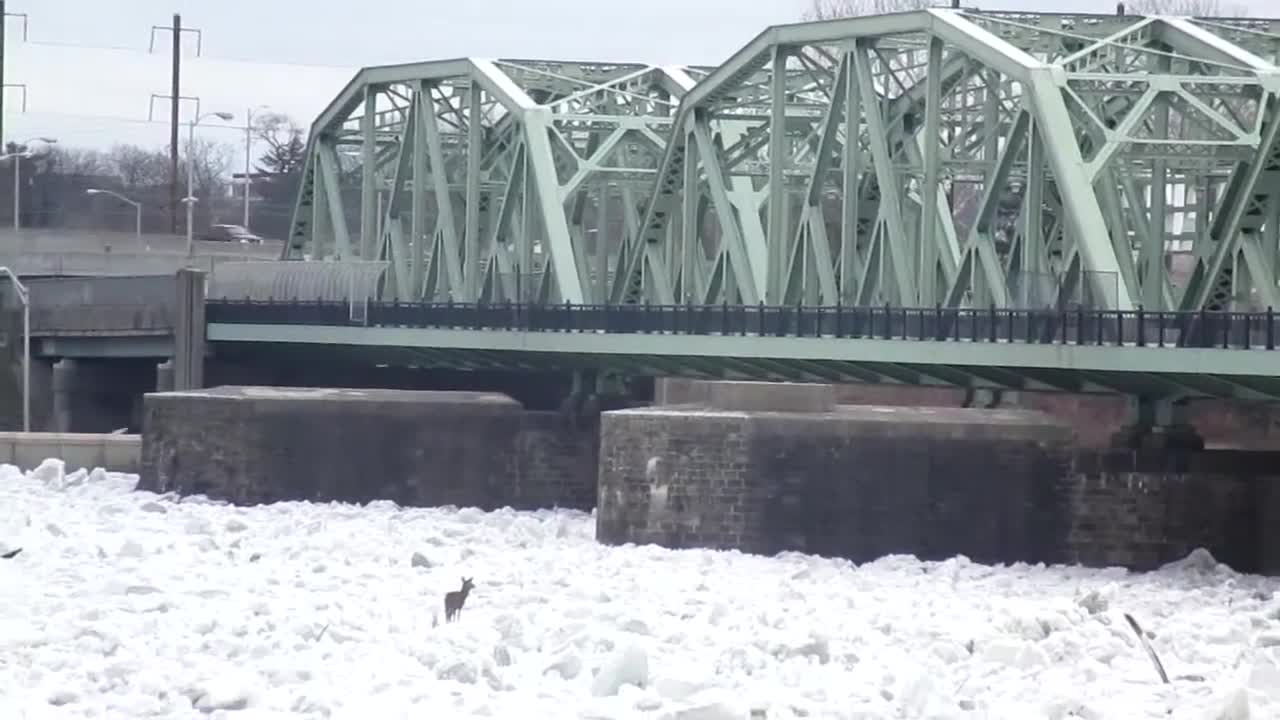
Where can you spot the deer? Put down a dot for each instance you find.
(453, 600)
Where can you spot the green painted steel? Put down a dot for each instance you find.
(1143, 371)
(951, 156)
(486, 180)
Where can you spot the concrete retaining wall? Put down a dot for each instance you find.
(119, 453)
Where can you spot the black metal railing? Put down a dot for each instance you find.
(1080, 326)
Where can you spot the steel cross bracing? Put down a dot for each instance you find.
(969, 159)
(990, 158)
(480, 180)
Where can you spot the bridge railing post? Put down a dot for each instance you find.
(1271, 328)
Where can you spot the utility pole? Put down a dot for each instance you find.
(175, 96)
(2, 33)
(175, 92)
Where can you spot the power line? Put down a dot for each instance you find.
(202, 56)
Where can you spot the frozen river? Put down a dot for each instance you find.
(132, 605)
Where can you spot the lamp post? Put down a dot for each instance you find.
(191, 172)
(248, 158)
(24, 297)
(137, 208)
(17, 176)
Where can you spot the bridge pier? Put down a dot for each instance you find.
(592, 393)
(1157, 423)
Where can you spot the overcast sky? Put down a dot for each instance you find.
(361, 33)
(96, 97)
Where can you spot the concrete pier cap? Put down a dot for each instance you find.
(742, 396)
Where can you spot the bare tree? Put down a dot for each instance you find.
(138, 167)
(832, 9)
(285, 146)
(1194, 8)
(78, 161)
(212, 165)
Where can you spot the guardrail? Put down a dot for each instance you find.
(1080, 326)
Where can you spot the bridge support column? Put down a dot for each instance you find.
(164, 376)
(982, 397)
(1158, 424)
(189, 331)
(65, 388)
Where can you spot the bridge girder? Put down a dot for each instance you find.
(1002, 158)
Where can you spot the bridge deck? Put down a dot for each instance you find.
(1160, 354)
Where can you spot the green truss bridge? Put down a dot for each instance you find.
(1077, 202)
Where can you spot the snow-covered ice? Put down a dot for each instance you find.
(131, 605)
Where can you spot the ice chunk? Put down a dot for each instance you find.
(1011, 652)
(225, 692)
(566, 666)
(628, 665)
(502, 656)
(714, 705)
(51, 473)
(461, 671)
(1234, 707)
(1265, 678)
(1095, 601)
(131, 549)
(1199, 560)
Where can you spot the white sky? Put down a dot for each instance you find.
(253, 50)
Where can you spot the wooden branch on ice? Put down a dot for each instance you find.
(1151, 653)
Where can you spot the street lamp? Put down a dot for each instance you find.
(248, 157)
(24, 297)
(191, 171)
(17, 176)
(137, 207)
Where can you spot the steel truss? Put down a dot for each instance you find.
(481, 180)
(938, 157)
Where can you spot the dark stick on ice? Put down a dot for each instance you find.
(1151, 653)
(11, 554)
(321, 633)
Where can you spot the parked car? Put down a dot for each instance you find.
(230, 233)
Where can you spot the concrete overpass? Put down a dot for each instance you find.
(61, 252)
(103, 317)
